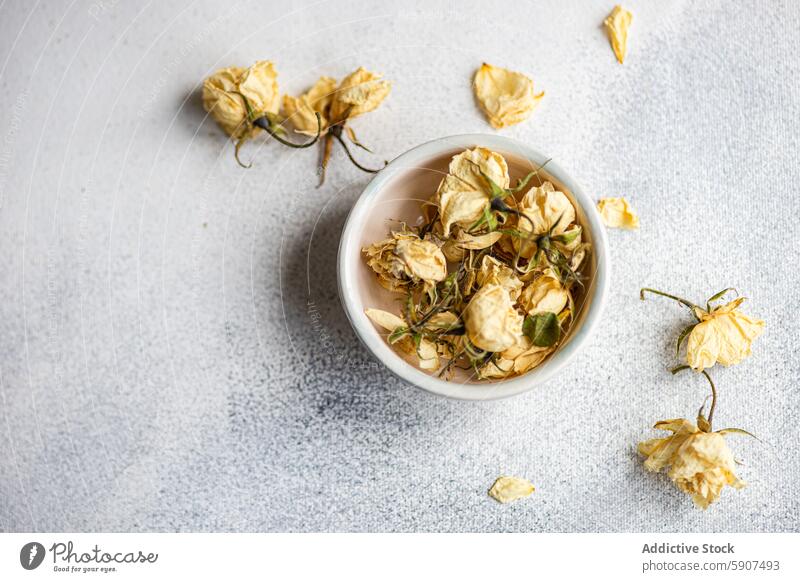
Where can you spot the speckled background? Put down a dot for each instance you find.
(173, 354)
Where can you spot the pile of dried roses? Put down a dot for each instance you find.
(246, 101)
(699, 460)
(490, 281)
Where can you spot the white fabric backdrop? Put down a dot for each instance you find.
(167, 362)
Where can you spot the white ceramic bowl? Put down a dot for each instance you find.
(395, 193)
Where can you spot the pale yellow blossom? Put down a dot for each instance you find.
(617, 25)
(493, 270)
(617, 213)
(491, 321)
(506, 97)
(700, 463)
(506, 489)
(548, 210)
(544, 294)
(464, 194)
(405, 258)
(724, 335)
(224, 93)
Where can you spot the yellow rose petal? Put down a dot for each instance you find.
(617, 213)
(506, 97)
(507, 489)
(617, 24)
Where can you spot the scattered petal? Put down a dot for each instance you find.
(617, 24)
(507, 489)
(506, 97)
(617, 213)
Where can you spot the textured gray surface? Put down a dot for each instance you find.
(161, 367)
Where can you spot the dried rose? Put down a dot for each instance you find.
(302, 111)
(506, 97)
(700, 463)
(491, 321)
(225, 91)
(494, 271)
(721, 334)
(547, 211)
(360, 92)
(462, 196)
(544, 294)
(405, 258)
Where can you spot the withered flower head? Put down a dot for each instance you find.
(244, 101)
(462, 196)
(360, 92)
(404, 258)
(719, 335)
(225, 91)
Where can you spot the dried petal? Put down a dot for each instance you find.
(617, 24)
(507, 489)
(617, 213)
(506, 97)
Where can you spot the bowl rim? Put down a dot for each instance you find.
(363, 327)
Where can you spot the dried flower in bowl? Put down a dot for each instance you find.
(496, 276)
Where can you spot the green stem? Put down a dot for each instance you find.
(713, 398)
(265, 124)
(713, 390)
(678, 299)
(336, 131)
